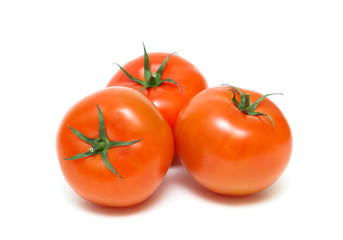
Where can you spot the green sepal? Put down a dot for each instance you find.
(234, 99)
(245, 106)
(162, 66)
(258, 113)
(112, 144)
(147, 70)
(145, 87)
(102, 131)
(81, 155)
(242, 97)
(172, 81)
(152, 79)
(131, 77)
(253, 106)
(108, 164)
(100, 145)
(86, 139)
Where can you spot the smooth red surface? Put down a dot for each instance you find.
(228, 151)
(167, 97)
(128, 116)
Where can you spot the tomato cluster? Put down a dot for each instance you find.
(116, 145)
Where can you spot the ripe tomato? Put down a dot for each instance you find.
(114, 147)
(227, 146)
(169, 81)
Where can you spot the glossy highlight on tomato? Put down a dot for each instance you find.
(106, 146)
(227, 150)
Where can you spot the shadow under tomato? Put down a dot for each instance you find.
(152, 201)
(117, 211)
(178, 177)
(176, 162)
(181, 177)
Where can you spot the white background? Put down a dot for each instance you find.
(53, 53)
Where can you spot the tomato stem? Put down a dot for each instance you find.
(247, 100)
(245, 106)
(151, 82)
(152, 79)
(99, 145)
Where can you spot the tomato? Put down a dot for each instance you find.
(168, 80)
(233, 147)
(114, 147)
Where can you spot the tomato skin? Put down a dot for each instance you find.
(167, 97)
(129, 116)
(228, 151)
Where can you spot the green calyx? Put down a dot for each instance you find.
(244, 104)
(99, 145)
(152, 79)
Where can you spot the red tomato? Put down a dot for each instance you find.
(169, 81)
(227, 150)
(107, 149)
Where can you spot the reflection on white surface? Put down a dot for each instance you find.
(224, 125)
